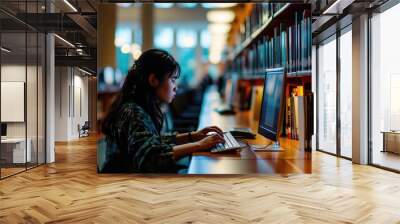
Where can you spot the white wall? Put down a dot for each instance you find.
(17, 73)
(71, 93)
(33, 127)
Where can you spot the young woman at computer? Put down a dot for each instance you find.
(134, 121)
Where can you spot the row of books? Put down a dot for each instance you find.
(287, 46)
(261, 13)
(299, 120)
(300, 42)
(294, 112)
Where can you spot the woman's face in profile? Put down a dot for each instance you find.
(167, 89)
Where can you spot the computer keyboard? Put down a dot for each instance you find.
(230, 144)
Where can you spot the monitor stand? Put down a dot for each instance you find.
(273, 147)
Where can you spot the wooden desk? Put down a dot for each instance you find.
(245, 161)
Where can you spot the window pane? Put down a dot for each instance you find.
(346, 94)
(186, 38)
(385, 84)
(127, 39)
(164, 38)
(187, 61)
(205, 39)
(13, 84)
(41, 99)
(327, 96)
(31, 98)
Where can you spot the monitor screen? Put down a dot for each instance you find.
(3, 129)
(231, 91)
(272, 103)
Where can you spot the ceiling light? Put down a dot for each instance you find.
(5, 50)
(70, 5)
(218, 5)
(215, 58)
(65, 41)
(135, 46)
(164, 5)
(118, 42)
(136, 54)
(218, 39)
(217, 48)
(108, 75)
(124, 5)
(84, 71)
(188, 5)
(135, 51)
(220, 16)
(219, 28)
(338, 6)
(79, 51)
(125, 48)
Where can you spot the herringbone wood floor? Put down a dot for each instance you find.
(70, 191)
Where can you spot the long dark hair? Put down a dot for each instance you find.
(136, 87)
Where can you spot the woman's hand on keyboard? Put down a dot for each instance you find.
(201, 134)
(210, 141)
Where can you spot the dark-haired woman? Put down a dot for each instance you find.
(133, 124)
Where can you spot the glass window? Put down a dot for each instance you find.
(187, 61)
(327, 96)
(385, 84)
(123, 35)
(346, 94)
(164, 38)
(23, 82)
(14, 151)
(31, 97)
(205, 39)
(127, 41)
(186, 38)
(41, 79)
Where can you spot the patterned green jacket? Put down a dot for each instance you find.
(135, 145)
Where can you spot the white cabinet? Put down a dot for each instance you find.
(16, 147)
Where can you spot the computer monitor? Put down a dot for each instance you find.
(272, 104)
(231, 91)
(3, 129)
(228, 108)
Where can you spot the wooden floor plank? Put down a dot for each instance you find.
(71, 191)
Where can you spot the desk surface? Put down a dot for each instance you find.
(245, 161)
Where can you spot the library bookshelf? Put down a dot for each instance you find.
(272, 35)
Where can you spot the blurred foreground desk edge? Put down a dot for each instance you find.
(245, 161)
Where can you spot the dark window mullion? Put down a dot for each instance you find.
(338, 99)
(37, 90)
(317, 97)
(26, 86)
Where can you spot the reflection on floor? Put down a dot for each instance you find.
(386, 159)
(10, 169)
